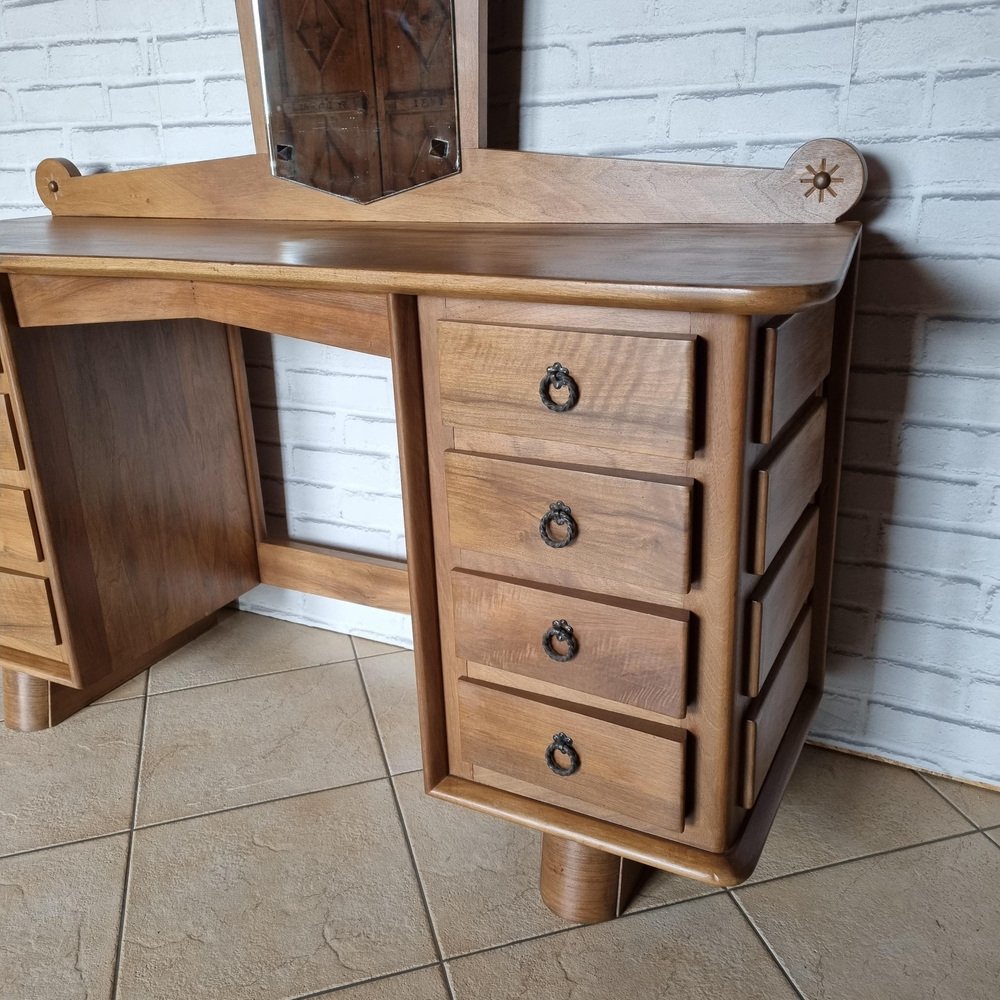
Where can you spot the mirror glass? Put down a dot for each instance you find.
(360, 95)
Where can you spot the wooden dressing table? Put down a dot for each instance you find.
(620, 393)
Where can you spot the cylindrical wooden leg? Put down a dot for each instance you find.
(579, 883)
(25, 702)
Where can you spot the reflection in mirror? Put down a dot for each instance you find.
(360, 95)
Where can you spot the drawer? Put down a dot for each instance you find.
(26, 609)
(618, 770)
(18, 534)
(629, 530)
(786, 482)
(795, 358)
(779, 598)
(770, 714)
(634, 393)
(625, 652)
(10, 451)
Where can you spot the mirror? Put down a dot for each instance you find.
(360, 95)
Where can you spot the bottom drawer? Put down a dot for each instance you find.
(619, 769)
(771, 712)
(26, 609)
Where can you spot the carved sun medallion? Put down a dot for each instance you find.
(821, 180)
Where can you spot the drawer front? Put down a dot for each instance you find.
(796, 359)
(632, 393)
(18, 534)
(26, 609)
(770, 714)
(615, 652)
(779, 598)
(617, 769)
(628, 530)
(10, 451)
(786, 483)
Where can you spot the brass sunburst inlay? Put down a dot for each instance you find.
(821, 180)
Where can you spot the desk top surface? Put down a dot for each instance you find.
(772, 268)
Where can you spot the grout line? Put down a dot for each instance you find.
(775, 957)
(63, 843)
(131, 840)
(407, 839)
(934, 787)
(365, 982)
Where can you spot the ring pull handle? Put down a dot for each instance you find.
(562, 632)
(561, 515)
(563, 745)
(557, 376)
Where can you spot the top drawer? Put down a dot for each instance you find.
(631, 392)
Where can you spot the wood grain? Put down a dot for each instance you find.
(345, 576)
(25, 702)
(636, 393)
(18, 531)
(632, 530)
(10, 449)
(354, 322)
(796, 360)
(26, 609)
(635, 772)
(778, 599)
(764, 269)
(630, 653)
(786, 482)
(579, 883)
(770, 714)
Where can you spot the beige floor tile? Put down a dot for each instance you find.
(661, 888)
(74, 781)
(392, 686)
(273, 901)
(916, 924)
(247, 645)
(980, 804)
(426, 984)
(839, 807)
(59, 914)
(369, 647)
(994, 835)
(700, 950)
(134, 688)
(256, 739)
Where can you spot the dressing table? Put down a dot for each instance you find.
(620, 392)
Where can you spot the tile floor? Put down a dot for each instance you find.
(247, 821)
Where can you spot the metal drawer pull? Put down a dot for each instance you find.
(561, 631)
(561, 743)
(557, 376)
(558, 513)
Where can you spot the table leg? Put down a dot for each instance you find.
(25, 702)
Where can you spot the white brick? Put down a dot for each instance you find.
(924, 396)
(957, 344)
(885, 341)
(227, 99)
(347, 468)
(725, 153)
(23, 64)
(220, 14)
(275, 601)
(177, 15)
(335, 534)
(77, 104)
(155, 101)
(370, 508)
(984, 701)
(853, 533)
(550, 70)
(850, 630)
(906, 684)
(808, 110)
(960, 647)
(877, 106)
(838, 715)
(260, 383)
(900, 164)
(668, 61)
(375, 434)
(950, 449)
(306, 426)
(822, 55)
(57, 18)
(966, 102)
(938, 38)
(269, 460)
(7, 108)
(340, 390)
(206, 142)
(910, 497)
(590, 126)
(917, 593)
(888, 222)
(338, 616)
(961, 222)
(29, 146)
(97, 60)
(311, 500)
(214, 53)
(116, 145)
(869, 443)
(943, 551)
(939, 284)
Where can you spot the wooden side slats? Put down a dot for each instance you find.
(18, 530)
(10, 448)
(26, 611)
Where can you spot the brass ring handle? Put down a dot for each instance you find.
(561, 631)
(561, 743)
(557, 376)
(558, 513)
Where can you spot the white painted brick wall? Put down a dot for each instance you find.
(915, 663)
